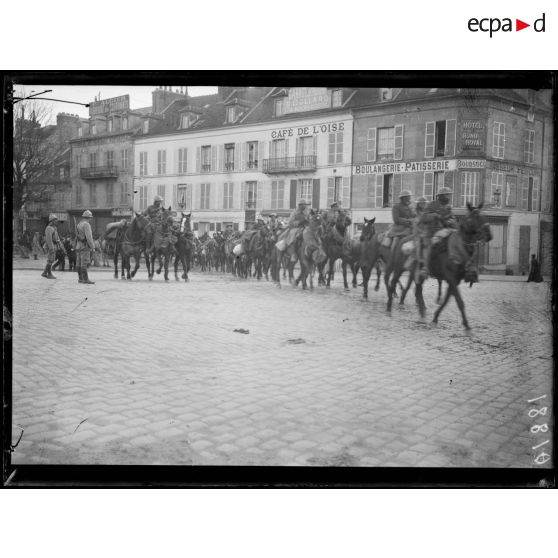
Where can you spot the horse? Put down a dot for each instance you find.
(184, 247)
(129, 243)
(448, 262)
(258, 252)
(162, 247)
(311, 252)
(284, 257)
(336, 246)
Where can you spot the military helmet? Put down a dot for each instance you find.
(157, 199)
(334, 204)
(405, 193)
(422, 199)
(87, 214)
(444, 190)
(303, 202)
(52, 217)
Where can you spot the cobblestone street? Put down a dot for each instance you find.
(139, 372)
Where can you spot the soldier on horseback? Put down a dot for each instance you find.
(436, 222)
(154, 213)
(403, 215)
(297, 221)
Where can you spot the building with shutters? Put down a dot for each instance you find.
(103, 155)
(490, 146)
(247, 151)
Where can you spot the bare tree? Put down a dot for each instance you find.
(34, 146)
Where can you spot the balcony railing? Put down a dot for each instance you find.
(289, 164)
(229, 166)
(99, 172)
(206, 168)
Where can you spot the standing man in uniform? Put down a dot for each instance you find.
(84, 247)
(53, 243)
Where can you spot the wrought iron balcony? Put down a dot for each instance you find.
(229, 166)
(99, 172)
(289, 164)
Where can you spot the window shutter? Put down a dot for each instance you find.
(297, 150)
(451, 127)
(243, 155)
(174, 200)
(371, 191)
(330, 190)
(293, 199)
(398, 155)
(237, 148)
(331, 150)
(429, 139)
(243, 196)
(315, 148)
(397, 185)
(316, 193)
(219, 195)
(213, 158)
(261, 154)
(259, 195)
(371, 145)
(524, 188)
(536, 194)
(379, 190)
(198, 159)
(221, 162)
(456, 200)
(346, 199)
(196, 196)
(428, 185)
(271, 155)
(266, 194)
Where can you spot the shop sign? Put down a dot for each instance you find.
(411, 166)
(504, 167)
(121, 212)
(471, 164)
(472, 135)
(308, 130)
(109, 105)
(302, 99)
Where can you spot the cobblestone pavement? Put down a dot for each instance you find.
(139, 372)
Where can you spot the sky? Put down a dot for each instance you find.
(140, 96)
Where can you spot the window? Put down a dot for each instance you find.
(184, 196)
(182, 160)
(78, 195)
(530, 146)
(530, 193)
(305, 146)
(93, 128)
(386, 143)
(80, 132)
(161, 161)
(62, 172)
(334, 189)
(124, 156)
(143, 163)
(440, 138)
(278, 149)
(371, 145)
(252, 154)
(187, 120)
(250, 194)
(142, 198)
(279, 107)
(204, 196)
(92, 195)
(110, 158)
(470, 183)
(161, 191)
(124, 193)
(229, 156)
(228, 195)
(231, 114)
(77, 160)
(305, 189)
(206, 158)
(335, 148)
(145, 126)
(438, 183)
(496, 189)
(337, 98)
(498, 140)
(386, 94)
(387, 198)
(125, 123)
(109, 125)
(277, 194)
(511, 190)
(110, 194)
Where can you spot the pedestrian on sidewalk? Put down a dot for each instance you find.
(36, 245)
(69, 246)
(535, 271)
(52, 241)
(84, 246)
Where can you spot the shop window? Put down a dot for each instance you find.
(498, 140)
(440, 138)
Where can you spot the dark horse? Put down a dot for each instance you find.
(129, 243)
(311, 252)
(337, 246)
(184, 247)
(162, 248)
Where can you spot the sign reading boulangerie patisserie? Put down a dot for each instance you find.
(472, 134)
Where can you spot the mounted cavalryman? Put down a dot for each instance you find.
(403, 215)
(154, 213)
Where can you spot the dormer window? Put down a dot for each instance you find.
(109, 125)
(187, 120)
(386, 94)
(279, 107)
(80, 132)
(145, 126)
(337, 98)
(231, 114)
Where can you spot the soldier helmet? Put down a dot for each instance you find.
(303, 202)
(273, 214)
(405, 193)
(443, 190)
(334, 204)
(52, 217)
(157, 199)
(87, 214)
(422, 199)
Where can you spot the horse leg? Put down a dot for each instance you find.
(137, 258)
(439, 291)
(443, 304)
(167, 261)
(344, 268)
(461, 306)
(391, 286)
(354, 268)
(405, 290)
(420, 298)
(115, 260)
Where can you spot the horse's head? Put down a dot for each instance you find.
(475, 225)
(185, 224)
(368, 229)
